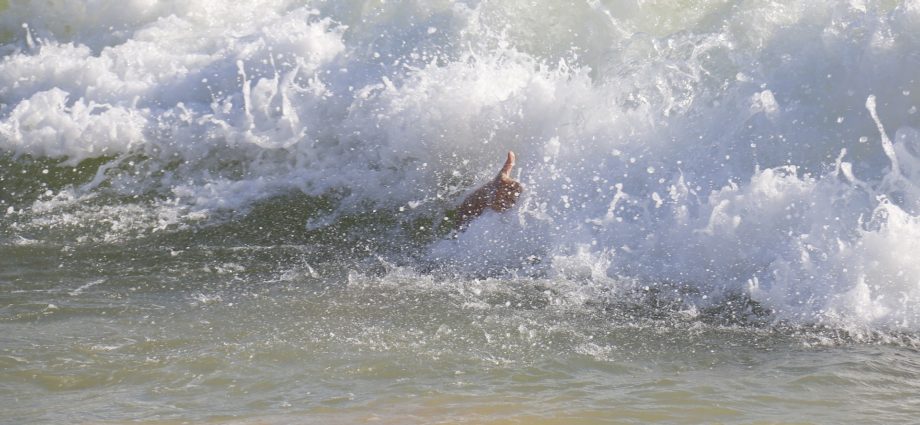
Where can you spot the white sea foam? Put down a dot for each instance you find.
(728, 148)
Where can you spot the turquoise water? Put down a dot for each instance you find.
(239, 212)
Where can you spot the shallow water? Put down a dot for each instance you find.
(407, 349)
(162, 342)
(238, 212)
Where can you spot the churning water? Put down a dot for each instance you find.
(239, 211)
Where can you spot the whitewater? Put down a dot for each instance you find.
(204, 205)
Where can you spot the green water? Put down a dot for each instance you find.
(255, 334)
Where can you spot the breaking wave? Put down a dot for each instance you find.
(767, 150)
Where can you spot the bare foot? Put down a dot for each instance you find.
(500, 194)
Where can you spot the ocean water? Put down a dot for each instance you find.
(239, 211)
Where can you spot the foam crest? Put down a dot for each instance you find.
(728, 150)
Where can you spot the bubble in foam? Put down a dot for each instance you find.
(689, 151)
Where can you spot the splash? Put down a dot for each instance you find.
(729, 150)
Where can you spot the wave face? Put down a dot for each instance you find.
(762, 150)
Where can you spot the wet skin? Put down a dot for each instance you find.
(500, 194)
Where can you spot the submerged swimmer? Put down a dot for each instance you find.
(500, 194)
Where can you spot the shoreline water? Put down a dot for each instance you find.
(225, 359)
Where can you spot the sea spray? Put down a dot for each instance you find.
(671, 147)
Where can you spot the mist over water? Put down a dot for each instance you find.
(753, 165)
